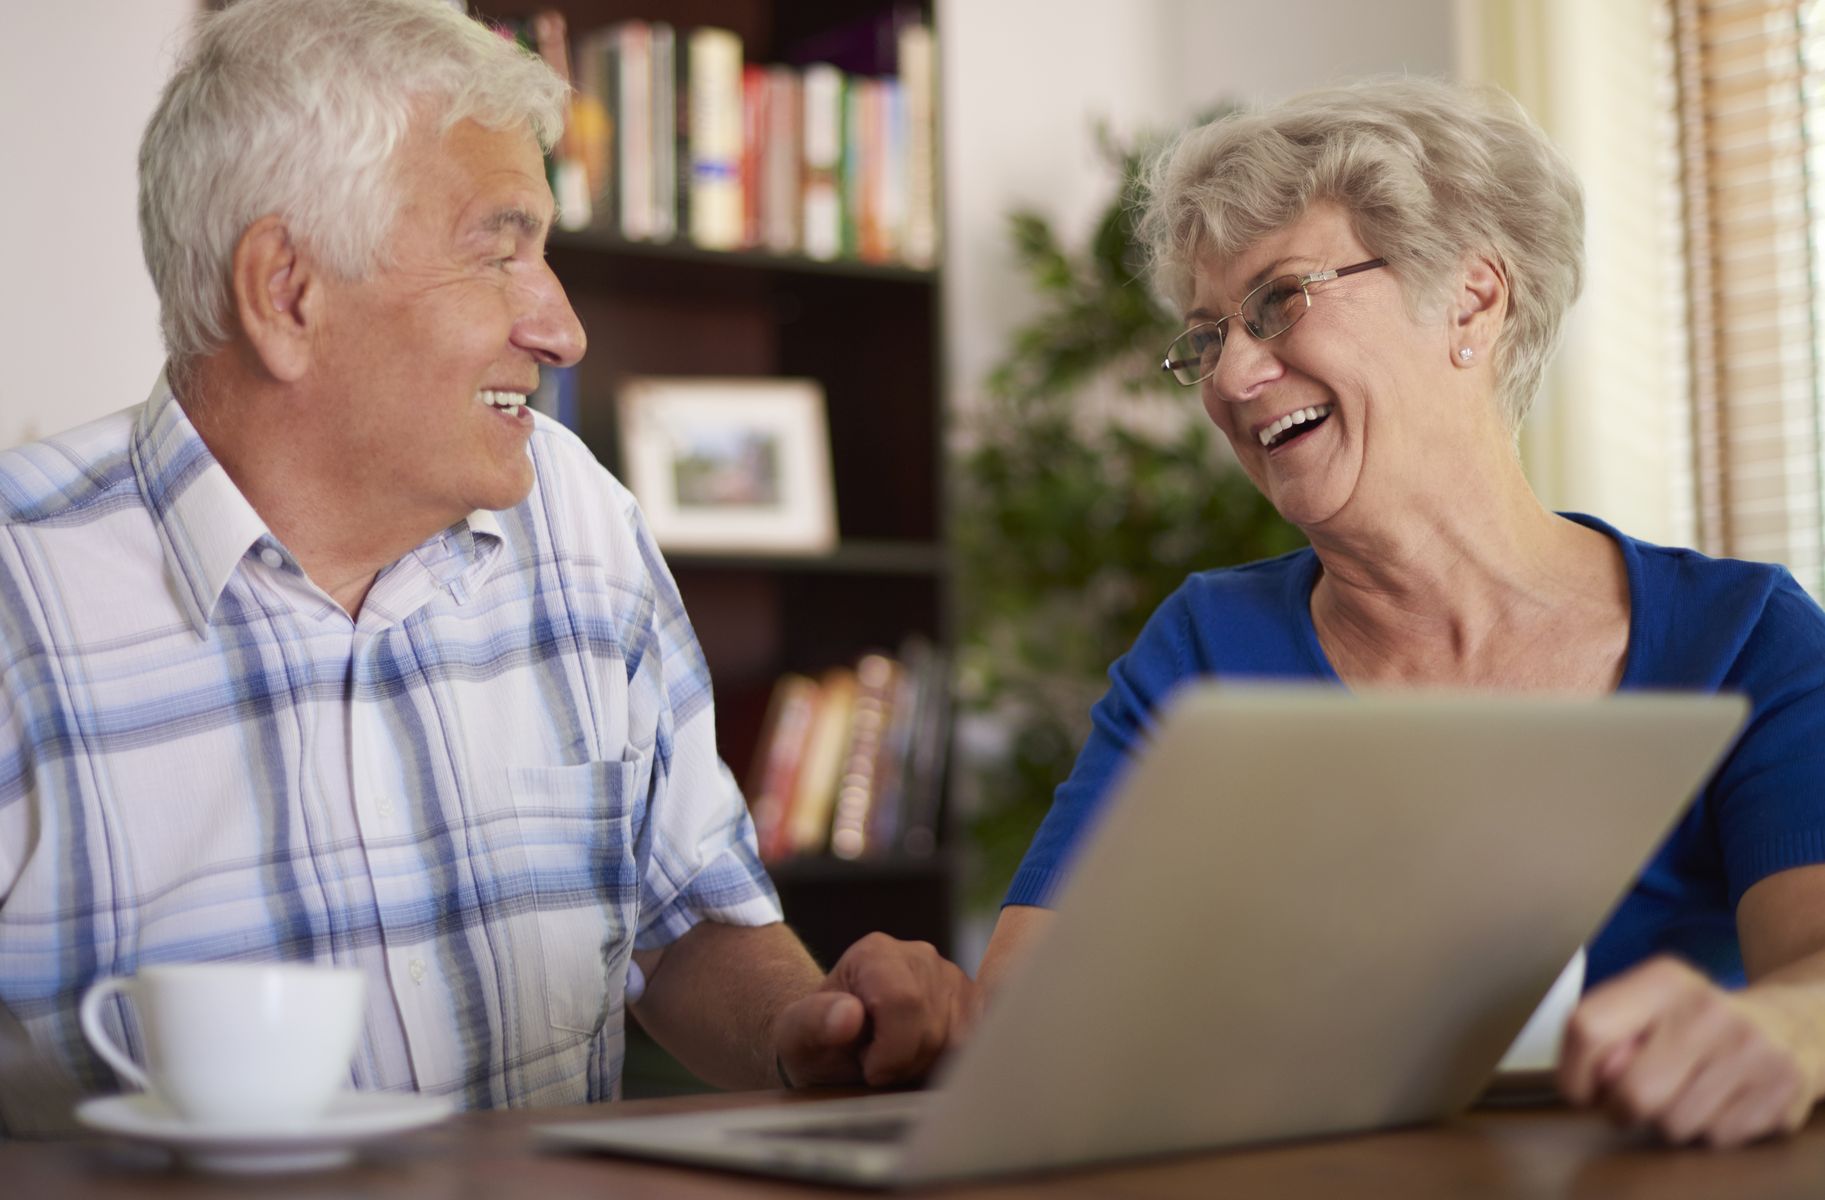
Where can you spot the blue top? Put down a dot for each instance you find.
(1695, 624)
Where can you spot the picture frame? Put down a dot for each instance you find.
(729, 465)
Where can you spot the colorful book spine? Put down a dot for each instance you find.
(823, 148)
(756, 100)
(877, 677)
(593, 109)
(773, 779)
(670, 134)
(716, 139)
(664, 142)
(782, 205)
(919, 88)
(820, 769)
(634, 96)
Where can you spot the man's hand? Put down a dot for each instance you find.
(1662, 1046)
(882, 1016)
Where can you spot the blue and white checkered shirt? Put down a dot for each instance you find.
(486, 790)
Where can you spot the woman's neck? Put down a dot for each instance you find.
(1487, 587)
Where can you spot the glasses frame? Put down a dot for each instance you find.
(1304, 281)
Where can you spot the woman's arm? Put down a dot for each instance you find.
(1663, 1046)
(1016, 933)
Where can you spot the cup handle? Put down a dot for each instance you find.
(92, 1028)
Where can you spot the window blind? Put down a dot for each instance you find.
(1748, 99)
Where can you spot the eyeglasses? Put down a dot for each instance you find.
(1268, 311)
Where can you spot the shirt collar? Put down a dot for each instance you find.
(207, 527)
(204, 522)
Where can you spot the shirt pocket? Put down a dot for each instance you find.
(568, 849)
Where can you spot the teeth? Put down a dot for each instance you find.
(507, 402)
(1298, 417)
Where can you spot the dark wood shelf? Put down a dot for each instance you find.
(823, 868)
(856, 557)
(680, 250)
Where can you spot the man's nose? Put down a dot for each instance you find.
(549, 328)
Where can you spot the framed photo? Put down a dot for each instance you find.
(731, 466)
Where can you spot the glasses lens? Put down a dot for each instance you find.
(1193, 354)
(1272, 308)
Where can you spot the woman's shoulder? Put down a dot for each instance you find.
(1252, 618)
(1264, 580)
(1715, 613)
(1694, 585)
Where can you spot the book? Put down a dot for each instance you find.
(820, 767)
(781, 206)
(851, 163)
(756, 102)
(919, 87)
(877, 677)
(664, 138)
(774, 775)
(593, 108)
(716, 138)
(885, 809)
(927, 758)
(822, 94)
(634, 123)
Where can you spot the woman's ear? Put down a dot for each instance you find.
(1479, 310)
(275, 290)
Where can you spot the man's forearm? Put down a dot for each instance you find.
(715, 994)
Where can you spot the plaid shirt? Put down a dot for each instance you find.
(486, 790)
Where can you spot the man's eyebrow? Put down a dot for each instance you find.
(520, 220)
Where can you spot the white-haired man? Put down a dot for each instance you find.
(331, 652)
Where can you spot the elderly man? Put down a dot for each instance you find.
(331, 651)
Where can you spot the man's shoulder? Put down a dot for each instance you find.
(570, 477)
(73, 476)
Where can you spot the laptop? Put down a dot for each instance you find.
(1303, 912)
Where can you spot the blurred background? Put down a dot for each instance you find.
(1012, 488)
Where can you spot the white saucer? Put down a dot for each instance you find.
(327, 1141)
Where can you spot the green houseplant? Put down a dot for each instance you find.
(1088, 486)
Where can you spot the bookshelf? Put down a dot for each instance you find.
(869, 334)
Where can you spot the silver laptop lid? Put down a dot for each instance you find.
(1308, 911)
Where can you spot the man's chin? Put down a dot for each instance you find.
(509, 492)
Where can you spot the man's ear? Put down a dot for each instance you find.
(276, 296)
(1479, 310)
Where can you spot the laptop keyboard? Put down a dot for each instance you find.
(876, 1130)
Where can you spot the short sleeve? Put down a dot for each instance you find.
(700, 859)
(1770, 792)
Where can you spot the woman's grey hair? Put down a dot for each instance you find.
(1429, 172)
(297, 108)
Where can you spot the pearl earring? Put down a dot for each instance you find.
(1465, 354)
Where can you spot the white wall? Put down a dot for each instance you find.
(78, 320)
(1025, 79)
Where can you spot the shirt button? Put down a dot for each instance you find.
(384, 806)
(272, 558)
(417, 969)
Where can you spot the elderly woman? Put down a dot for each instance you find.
(1372, 279)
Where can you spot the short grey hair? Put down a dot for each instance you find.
(1429, 171)
(297, 108)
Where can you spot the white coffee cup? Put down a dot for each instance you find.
(263, 1045)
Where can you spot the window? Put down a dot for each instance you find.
(1750, 103)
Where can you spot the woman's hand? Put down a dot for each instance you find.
(1661, 1046)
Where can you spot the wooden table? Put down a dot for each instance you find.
(492, 1156)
